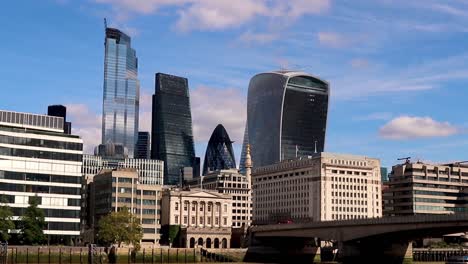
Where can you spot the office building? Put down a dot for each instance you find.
(150, 172)
(286, 116)
(121, 97)
(384, 173)
(219, 154)
(38, 159)
(60, 111)
(142, 150)
(322, 187)
(423, 188)
(172, 139)
(202, 217)
(115, 189)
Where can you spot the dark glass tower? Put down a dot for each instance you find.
(219, 154)
(60, 111)
(121, 97)
(286, 116)
(142, 148)
(172, 139)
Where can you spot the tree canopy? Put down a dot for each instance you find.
(6, 221)
(121, 226)
(32, 223)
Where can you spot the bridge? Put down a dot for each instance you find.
(378, 239)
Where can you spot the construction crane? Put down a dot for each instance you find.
(406, 159)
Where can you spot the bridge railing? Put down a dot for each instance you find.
(368, 221)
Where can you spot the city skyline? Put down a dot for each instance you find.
(391, 76)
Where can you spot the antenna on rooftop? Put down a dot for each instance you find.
(105, 23)
(406, 159)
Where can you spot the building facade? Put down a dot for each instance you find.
(219, 154)
(115, 189)
(121, 97)
(142, 150)
(235, 184)
(204, 217)
(149, 171)
(172, 139)
(422, 188)
(286, 116)
(38, 159)
(323, 187)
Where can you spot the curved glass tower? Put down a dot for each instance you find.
(121, 98)
(219, 154)
(286, 116)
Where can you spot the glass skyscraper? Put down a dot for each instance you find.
(142, 149)
(286, 116)
(121, 97)
(219, 154)
(172, 139)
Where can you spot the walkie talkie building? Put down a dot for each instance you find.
(286, 116)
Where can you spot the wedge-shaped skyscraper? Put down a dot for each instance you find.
(286, 116)
(171, 134)
(219, 154)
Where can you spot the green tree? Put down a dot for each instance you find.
(120, 227)
(6, 222)
(32, 223)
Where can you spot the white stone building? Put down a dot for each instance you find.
(203, 216)
(324, 187)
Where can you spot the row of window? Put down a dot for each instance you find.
(347, 179)
(34, 142)
(349, 172)
(201, 206)
(349, 162)
(350, 209)
(201, 220)
(39, 154)
(22, 176)
(38, 189)
(348, 194)
(349, 187)
(50, 212)
(351, 202)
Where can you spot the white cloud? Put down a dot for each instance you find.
(211, 106)
(257, 37)
(411, 127)
(218, 14)
(146, 102)
(332, 39)
(86, 124)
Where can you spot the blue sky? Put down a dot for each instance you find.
(398, 69)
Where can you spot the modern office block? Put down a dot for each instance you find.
(219, 154)
(38, 159)
(172, 139)
(142, 150)
(60, 111)
(121, 97)
(116, 189)
(286, 116)
(423, 188)
(323, 187)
